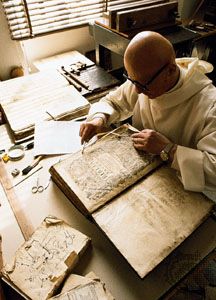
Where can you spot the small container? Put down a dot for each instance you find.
(16, 152)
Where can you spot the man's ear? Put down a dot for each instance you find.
(171, 68)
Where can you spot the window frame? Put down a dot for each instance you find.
(29, 18)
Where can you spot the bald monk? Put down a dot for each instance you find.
(173, 104)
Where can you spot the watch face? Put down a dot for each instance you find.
(164, 156)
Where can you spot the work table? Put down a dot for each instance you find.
(102, 258)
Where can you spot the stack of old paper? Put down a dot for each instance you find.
(41, 264)
(40, 96)
(58, 60)
(86, 288)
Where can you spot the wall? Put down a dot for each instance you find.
(44, 46)
(10, 51)
(188, 8)
(14, 53)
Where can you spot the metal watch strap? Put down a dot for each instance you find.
(168, 148)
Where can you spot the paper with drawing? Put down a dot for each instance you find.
(42, 262)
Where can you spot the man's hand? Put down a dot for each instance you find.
(150, 141)
(90, 128)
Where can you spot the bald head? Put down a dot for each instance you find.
(149, 50)
(147, 54)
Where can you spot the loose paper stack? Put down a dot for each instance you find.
(86, 288)
(39, 96)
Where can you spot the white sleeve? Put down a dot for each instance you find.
(190, 164)
(118, 104)
(198, 166)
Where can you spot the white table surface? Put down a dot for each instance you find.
(102, 258)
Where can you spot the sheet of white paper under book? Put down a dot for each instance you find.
(56, 137)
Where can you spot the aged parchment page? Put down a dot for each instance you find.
(149, 220)
(42, 262)
(25, 100)
(78, 287)
(106, 168)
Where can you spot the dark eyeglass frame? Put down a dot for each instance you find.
(144, 86)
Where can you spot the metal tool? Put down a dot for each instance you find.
(77, 67)
(16, 152)
(37, 188)
(15, 172)
(26, 177)
(69, 79)
(80, 82)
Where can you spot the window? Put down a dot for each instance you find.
(30, 18)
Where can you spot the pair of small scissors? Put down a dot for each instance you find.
(38, 188)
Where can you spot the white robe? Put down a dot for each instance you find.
(186, 115)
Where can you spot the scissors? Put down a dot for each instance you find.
(38, 188)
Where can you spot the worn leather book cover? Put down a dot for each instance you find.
(41, 96)
(41, 264)
(92, 177)
(138, 203)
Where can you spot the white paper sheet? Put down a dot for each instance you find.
(56, 137)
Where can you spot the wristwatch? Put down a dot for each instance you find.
(164, 154)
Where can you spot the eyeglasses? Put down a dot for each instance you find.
(144, 86)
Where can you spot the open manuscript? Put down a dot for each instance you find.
(41, 264)
(145, 217)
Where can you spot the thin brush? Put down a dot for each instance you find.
(32, 165)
